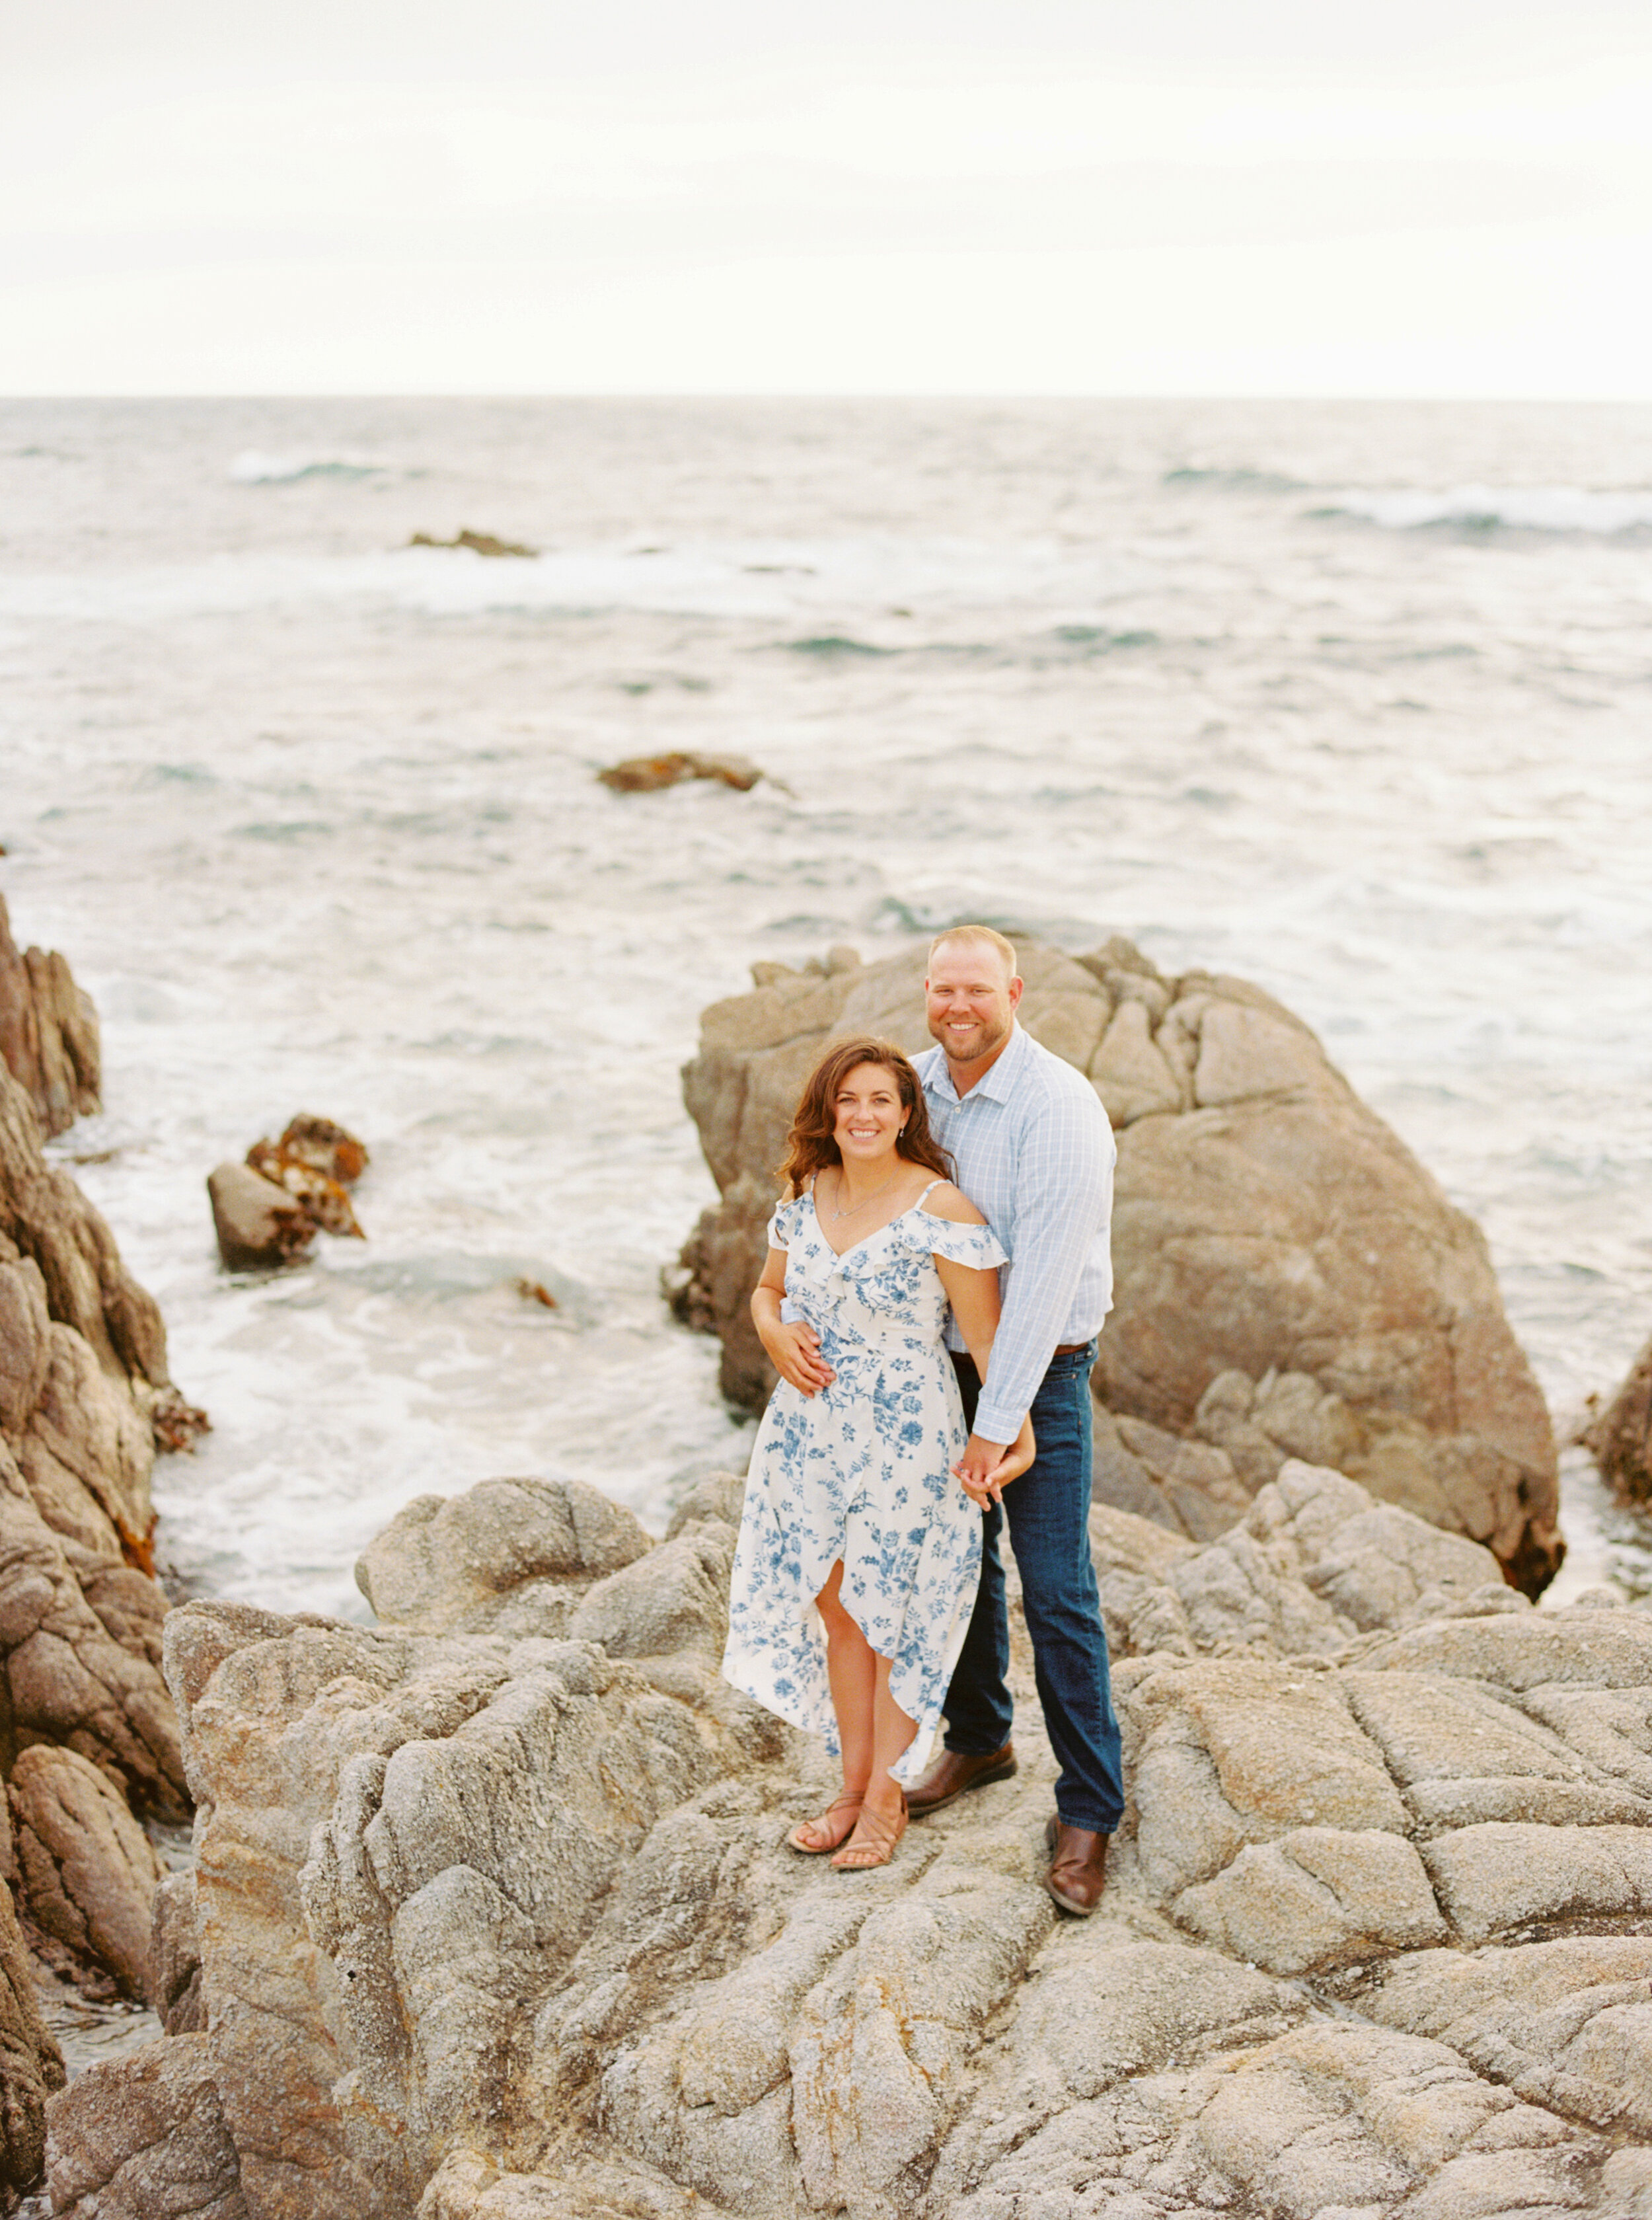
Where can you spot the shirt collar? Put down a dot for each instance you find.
(997, 1082)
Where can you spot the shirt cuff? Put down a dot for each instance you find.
(994, 1423)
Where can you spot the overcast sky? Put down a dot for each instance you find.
(1176, 197)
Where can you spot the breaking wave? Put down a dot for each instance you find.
(1492, 509)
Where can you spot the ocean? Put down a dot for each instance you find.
(1353, 699)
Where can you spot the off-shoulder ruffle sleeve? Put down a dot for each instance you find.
(782, 1227)
(977, 1246)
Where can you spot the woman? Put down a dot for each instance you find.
(859, 1549)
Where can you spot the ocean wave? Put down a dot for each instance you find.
(1570, 509)
(1232, 481)
(253, 467)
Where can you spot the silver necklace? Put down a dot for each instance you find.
(855, 1208)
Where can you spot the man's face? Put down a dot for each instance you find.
(970, 1000)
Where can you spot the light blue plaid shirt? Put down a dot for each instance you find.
(1035, 1154)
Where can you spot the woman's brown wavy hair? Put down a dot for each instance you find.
(810, 1145)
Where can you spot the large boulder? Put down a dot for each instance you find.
(48, 1033)
(1290, 1281)
(498, 1926)
(1620, 1437)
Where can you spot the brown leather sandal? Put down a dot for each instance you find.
(872, 1842)
(849, 1801)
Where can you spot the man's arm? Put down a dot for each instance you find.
(1064, 1201)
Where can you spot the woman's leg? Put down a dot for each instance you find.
(851, 1670)
(880, 1731)
(851, 1675)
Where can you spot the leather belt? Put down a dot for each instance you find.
(1072, 1348)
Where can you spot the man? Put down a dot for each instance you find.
(1034, 1150)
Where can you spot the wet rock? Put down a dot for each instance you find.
(1620, 1438)
(1290, 1281)
(143, 2137)
(320, 1196)
(175, 1420)
(647, 774)
(48, 1033)
(87, 1874)
(31, 2065)
(258, 1223)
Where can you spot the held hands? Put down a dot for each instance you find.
(794, 1352)
(986, 1468)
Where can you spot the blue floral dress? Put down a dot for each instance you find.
(862, 1471)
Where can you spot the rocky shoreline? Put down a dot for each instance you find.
(490, 1917)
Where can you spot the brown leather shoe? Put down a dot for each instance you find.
(952, 1774)
(1078, 1866)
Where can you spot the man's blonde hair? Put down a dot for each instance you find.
(977, 936)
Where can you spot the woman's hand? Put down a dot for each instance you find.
(794, 1352)
(984, 1487)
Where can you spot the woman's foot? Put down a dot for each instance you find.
(815, 1836)
(877, 1832)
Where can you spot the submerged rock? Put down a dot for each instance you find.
(645, 774)
(499, 1924)
(1620, 1438)
(479, 543)
(1290, 1281)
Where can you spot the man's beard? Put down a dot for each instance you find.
(987, 1041)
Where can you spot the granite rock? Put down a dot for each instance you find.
(258, 1223)
(144, 2138)
(31, 2065)
(495, 1925)
(87, 1872)
(48, 1033)
(1290, 1281)
(1621, 1436)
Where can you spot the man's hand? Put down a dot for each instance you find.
(976, 1469)
(794, 1352)
(986, 1468)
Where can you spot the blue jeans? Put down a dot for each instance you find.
(1049, 1510)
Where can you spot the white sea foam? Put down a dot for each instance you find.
(882, 582)
(1522, 509)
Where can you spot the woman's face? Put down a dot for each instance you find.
(869, 1114)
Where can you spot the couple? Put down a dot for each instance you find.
(914, 1412)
